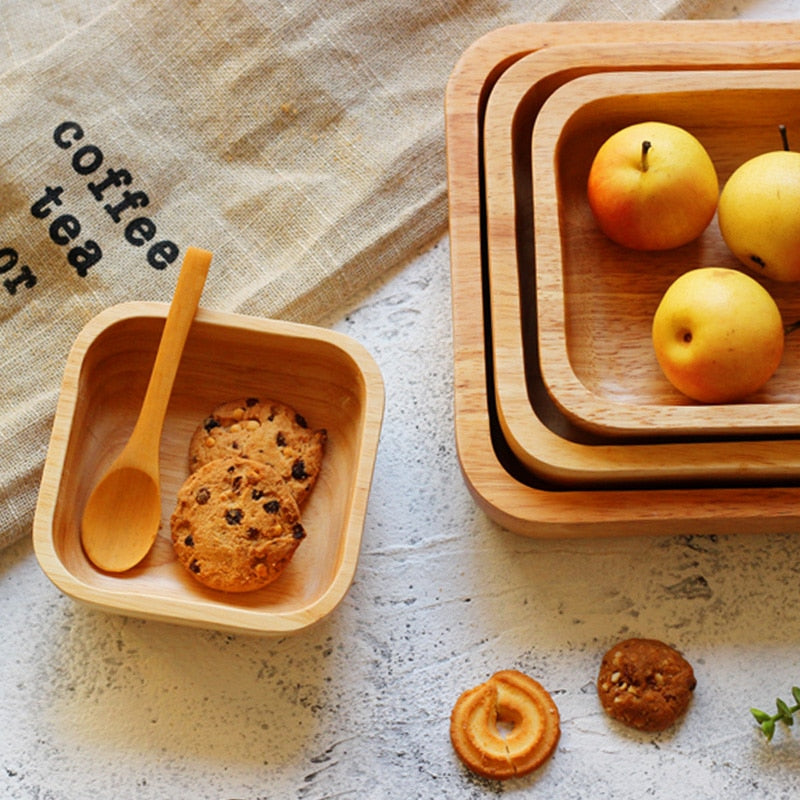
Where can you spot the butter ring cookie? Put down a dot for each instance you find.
(506, 727)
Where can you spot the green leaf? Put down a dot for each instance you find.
(783, 710)
(768, 727)
(761, 716)
(796, 694)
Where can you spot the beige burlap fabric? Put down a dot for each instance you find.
(300, 141)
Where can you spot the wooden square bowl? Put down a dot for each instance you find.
(325, 376)
(596, 299)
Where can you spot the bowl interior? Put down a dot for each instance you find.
(597, 299)
(226, 357)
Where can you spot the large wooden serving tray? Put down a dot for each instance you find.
(502, 487)
(537, 432)
(596, 299)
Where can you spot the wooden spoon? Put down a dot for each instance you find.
(123, 513)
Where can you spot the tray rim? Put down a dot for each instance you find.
(503, 497)
(576, 400)
(542, 450)
(205, 613)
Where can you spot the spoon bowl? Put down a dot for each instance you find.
(134, 495)
(122, 516)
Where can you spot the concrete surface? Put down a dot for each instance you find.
(101, 706)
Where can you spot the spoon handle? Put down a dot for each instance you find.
(192, 278)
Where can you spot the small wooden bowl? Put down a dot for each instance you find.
(324, 375)
(596, 299)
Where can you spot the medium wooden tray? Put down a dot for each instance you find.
(596, 300)
(503, 489)
(540, 436)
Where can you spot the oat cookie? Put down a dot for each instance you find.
(236, 525)
(645, 683)
(263, 430)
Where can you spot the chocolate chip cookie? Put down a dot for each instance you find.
(262, 430)
(645, 683)
(236, 525)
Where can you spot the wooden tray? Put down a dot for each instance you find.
(596, 300)
(547, 443)
(503, 488)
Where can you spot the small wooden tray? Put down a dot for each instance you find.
(500, 485)
(596, 300)
(539, 435)
(324, 375)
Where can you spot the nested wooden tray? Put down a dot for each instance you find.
(596, 300)
(502, 487)
(539, 435)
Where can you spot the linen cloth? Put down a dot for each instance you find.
(302, 142)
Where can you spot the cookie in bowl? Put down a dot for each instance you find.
(262, 430)
(236, 525)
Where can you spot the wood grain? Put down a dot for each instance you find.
(539, 434)
(502, 487)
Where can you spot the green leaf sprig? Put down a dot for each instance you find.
(785, 714)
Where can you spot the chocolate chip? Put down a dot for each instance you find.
(233, 516)
(251, 401)
(189, 541)
(202, 496)
(211, 423)
(300, 420)
(256, 494)
(280, 440)
(194, 566)
(237, 483)
(253, 533)
(298, 532)
(299, 470)
(273, 507)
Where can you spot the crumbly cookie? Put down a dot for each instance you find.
(236, 525)
(516, 701)
(645, 683)
(263, 430)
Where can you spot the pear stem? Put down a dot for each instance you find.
(645, 148)
(784, 137)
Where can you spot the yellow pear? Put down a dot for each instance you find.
(759, 214)
(652, 186)
(718, 334)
